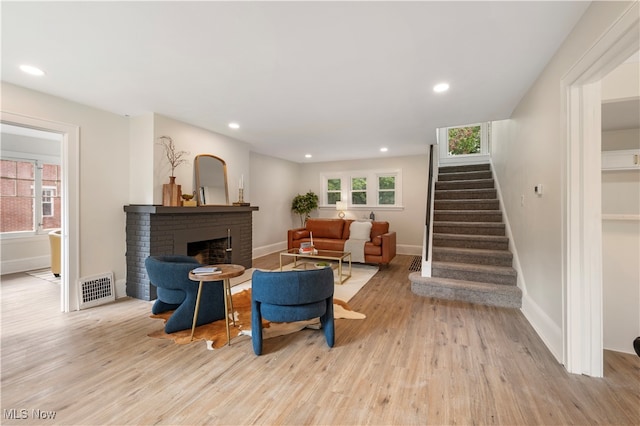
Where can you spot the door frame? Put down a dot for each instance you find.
(70, 160)
(582, 203)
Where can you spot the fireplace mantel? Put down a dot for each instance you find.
(158, 209)
(154, 230)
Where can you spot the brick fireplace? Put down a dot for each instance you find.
(215, 234)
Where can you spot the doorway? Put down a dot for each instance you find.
(621, 206)
(582, 236)
(69, 162)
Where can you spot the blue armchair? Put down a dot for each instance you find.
(291, 296)
(170, 274)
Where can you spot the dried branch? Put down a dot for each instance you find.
(174, 157)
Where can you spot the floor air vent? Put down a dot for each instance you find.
(96, 290)
(416, 263)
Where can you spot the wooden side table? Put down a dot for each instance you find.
(228, 271)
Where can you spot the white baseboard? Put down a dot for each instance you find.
(268, 249)
(24, 265)
(409, 249)
(549, 331)
(121, 288)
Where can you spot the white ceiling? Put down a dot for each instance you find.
(338, 80)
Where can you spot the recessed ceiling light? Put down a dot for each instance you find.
(31, 70)
(384, 149)
(234, 125)
(307, 156)
(441, 87)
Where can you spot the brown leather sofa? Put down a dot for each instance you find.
(331, 234)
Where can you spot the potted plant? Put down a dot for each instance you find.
(303, 205)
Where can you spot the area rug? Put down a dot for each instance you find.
(215, 334)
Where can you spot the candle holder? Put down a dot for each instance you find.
(240, 201)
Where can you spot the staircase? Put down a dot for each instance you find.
(471, 257)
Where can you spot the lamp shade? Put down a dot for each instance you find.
(341, 205)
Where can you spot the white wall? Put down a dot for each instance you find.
(142, 162)
(621, 283)
(104, 174)
(196, 140)
(274, 218)
(274, 184)
(622, 83)
(621, 139)
(408, 223)
(529, 149)
(620, 254)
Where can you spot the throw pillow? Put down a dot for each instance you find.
(360, 231)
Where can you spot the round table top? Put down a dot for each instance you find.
(229, 270)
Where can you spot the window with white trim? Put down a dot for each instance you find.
(386, 190)
(48, 196)
(334, 190)
(366, 189)
(30, 196)
(464, 141)
(358, 191)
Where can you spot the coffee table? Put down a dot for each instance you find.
(227, 271)
(338, 256)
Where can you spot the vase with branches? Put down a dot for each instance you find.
(174, 157)
(171, 192)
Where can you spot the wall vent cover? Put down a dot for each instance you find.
(97, 290)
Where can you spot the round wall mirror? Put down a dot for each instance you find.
(211, 180)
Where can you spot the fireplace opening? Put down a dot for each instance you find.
(211, 252)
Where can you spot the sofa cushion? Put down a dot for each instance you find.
(379, 228)
(377, 240)
(328, 244)
(345, 230)
(300, 234)
(325, 228)
(360, 231)
(372, 250)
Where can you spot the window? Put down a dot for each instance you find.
(386, 190)
(48, 195)
(359, 191)
(30, 196)
(333, 191)
(463, 140)
(366, 189)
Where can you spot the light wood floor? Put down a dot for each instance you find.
(414, 360)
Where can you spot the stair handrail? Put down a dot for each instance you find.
(428, 239)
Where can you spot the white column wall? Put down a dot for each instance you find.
(529, 150)
(104, 174)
